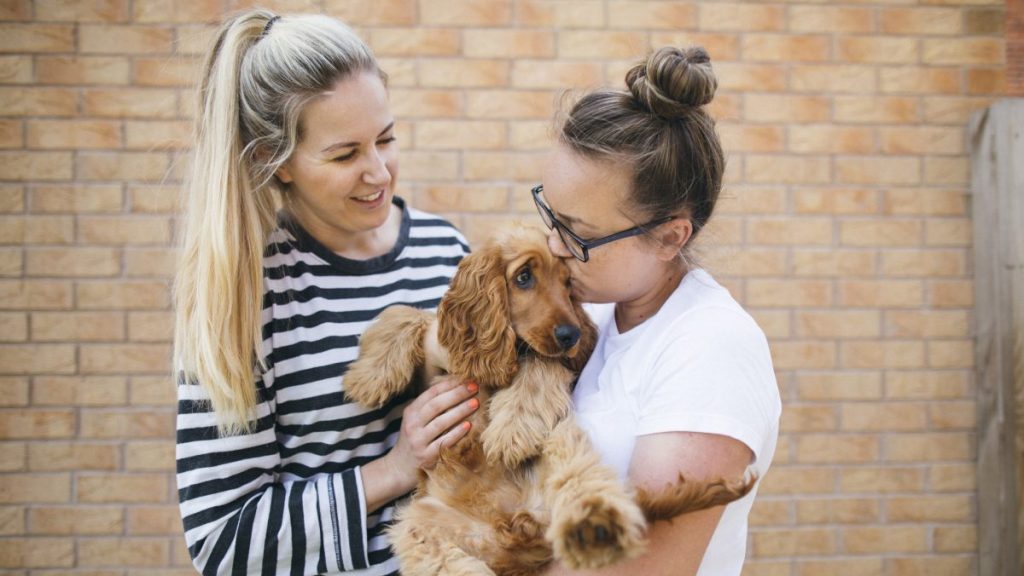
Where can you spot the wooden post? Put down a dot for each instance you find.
(997, 185)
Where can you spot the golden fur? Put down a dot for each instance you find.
(525, 486)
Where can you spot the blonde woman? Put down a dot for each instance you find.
(294, 242)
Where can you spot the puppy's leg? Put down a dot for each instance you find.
(594, 518)
(390, 352)
(424, 538)
(523, 414)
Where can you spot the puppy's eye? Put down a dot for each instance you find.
(524, 279)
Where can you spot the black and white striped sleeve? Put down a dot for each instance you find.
(239, 520)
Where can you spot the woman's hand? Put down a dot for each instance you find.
(437, 418)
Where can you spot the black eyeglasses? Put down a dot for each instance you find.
(577, 246)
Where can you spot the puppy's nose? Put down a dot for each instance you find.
(567, 335)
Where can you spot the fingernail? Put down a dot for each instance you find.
(472, 387)
(466, 426)
(474, 403)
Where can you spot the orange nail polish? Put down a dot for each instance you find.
(472, 387)
(474, 403)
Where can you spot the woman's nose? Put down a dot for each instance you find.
(376, 172)
(556, 245)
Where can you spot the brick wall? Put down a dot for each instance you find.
(845, 230)
(1015, 47)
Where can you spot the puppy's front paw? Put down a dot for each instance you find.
(598, 531)
(509, 443)
(366, 385)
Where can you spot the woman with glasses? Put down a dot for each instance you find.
(681, 382)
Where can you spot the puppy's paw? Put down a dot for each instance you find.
(509, 443)
(598, 531)
(390, 353)
(367, 386)
(366, 391)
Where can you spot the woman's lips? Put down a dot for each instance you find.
(370, 199)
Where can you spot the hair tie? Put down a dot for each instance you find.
(270, 23)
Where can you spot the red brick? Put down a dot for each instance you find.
(964, 51)
(374, 12)
(121, 552)
(36, 294)
(878, 50)
(834, 78)
(812, 19)
(83, 70)
(508, 43)
(415, 41)
(16, 10)
(73, 456)
(85, 520)
(111, 424)
(786, 48)
(34, 488)
(37, 553)
(35, 165)
(37, 38)
(559, 14)
(605, 45)
(652, 15)
(922, 21)
(74, 134)
(439, 73)
(96, 39)
(33, 101)
(166, 11)
(16, 69)
(555, 74)
(465, 12)
(741, 17)
(94, 11)
(37, 359)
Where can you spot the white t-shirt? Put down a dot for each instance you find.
(701, 364)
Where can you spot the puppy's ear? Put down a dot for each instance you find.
(588, 339)
(473, 321)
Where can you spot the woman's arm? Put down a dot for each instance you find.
(676, 548)
(239, 518)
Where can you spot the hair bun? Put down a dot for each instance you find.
(672, 82)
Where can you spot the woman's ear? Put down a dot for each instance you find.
(283, 174)
(672, 237)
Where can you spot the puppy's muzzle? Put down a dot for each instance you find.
(567, 335)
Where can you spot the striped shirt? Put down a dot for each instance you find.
(287, 498)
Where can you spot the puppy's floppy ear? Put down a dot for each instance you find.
(473, 321)
(588, 339)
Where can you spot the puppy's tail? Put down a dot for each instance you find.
(390, 352)
(691, 496)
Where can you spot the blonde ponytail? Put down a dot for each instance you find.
(256, 81)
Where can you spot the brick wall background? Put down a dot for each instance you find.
(845, 230)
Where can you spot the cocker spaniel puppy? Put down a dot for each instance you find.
(525, 486)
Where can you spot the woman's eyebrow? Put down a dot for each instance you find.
(340, 145)
(577, 225)
(568, 219)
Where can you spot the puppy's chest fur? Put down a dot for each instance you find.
(491, 476)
